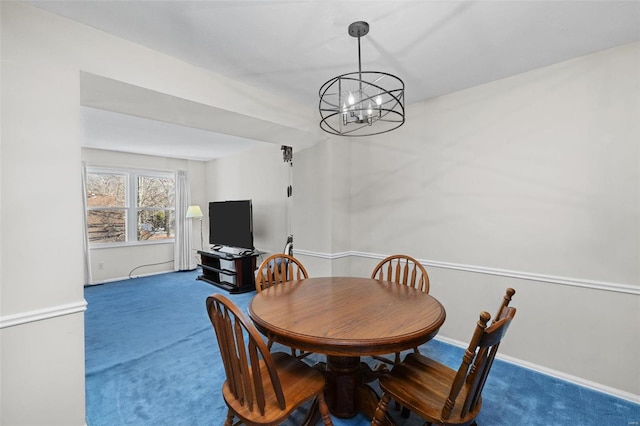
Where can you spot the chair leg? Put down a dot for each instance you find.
(229, 420)
(381, 410)
(397, 406)
(405, 413)
(324, 410)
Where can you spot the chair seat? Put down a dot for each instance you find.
(424, 384)
(299, 383)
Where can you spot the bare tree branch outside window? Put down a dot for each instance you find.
(109, 213)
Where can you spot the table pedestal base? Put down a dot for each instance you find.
(343, 375)
(347, 392)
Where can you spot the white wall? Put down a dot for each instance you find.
(538, 172)
(262, 176)
(322, 200)
(535, 175)
(41, 229)
(42, 368)
(115, 263)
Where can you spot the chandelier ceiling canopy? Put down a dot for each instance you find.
(361, 103)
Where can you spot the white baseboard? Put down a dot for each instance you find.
(628, 396)
(110, 280)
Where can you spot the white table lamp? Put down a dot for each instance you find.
(194, 212)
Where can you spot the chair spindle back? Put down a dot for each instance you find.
(279, 268)
(402, 269)
(243, 354)
(478, 359)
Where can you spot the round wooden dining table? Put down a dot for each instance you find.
(346, 318)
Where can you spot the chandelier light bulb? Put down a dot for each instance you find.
(351, 99)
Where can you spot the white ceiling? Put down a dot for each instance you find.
(293, 47)
(127, 133)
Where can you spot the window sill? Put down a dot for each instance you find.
(129, 244)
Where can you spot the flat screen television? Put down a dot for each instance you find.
(231, 223)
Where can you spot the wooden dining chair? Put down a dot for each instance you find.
(277, 269)
(261, 388)
(401, 269)
(439, 394)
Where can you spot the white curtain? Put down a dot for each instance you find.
(88, 279)
(184, 257)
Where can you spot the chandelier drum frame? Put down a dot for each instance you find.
(358, 98)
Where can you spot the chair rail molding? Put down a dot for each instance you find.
(329, 256)
(42, 314)
(530, 276)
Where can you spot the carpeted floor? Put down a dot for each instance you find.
(152, 359)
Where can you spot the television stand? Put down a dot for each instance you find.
(231, 272)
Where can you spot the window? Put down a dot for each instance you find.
(125, 207)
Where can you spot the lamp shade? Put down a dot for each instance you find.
(194, 211)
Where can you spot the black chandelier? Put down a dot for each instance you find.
(362, 103)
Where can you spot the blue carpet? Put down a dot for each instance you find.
(152, 359)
